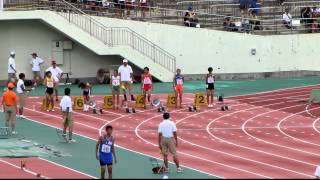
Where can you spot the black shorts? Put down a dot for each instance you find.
(210, 86)
(49, 91)
(105, 164)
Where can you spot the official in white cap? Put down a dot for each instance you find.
(126, 78)
(12, 68)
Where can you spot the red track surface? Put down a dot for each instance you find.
(11, 168)
(265, 135)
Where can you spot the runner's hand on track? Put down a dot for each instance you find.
(97, 157)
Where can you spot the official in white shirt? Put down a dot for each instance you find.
(317, 173)
(168, 141)
(21, 91)
(66, 108)
(287, 19)
(12, 68)
(36, 68)
(126, 79)
(56, 74)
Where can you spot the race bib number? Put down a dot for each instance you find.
(105, 148)
(116, 83)
(147, 81)
(179, 81)
(210, 80)
(50, 84)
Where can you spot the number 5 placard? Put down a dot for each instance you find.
(108, 102)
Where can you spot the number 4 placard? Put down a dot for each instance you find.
(140, 101)
(200, 99)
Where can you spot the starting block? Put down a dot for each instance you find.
(44, 106)
(192, 108)
(220, 98)
(96, 112)
(224, 108)
(161, 109)
(130, 110)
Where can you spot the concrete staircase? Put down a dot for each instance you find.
(103, 40)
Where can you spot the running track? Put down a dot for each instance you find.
(266, 135)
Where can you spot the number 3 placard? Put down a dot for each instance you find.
(171, 101)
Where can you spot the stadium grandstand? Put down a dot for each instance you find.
(159, 89)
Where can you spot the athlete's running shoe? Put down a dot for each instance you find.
(179, 170)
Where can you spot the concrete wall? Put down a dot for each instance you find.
(227, 52)
(27, 36)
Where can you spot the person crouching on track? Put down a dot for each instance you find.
(178, 87)
(115, 88)
(86, 93)
(50, 85)
(146, 85)
(210, 80)
(105, 152)
(9, 102)
(66, 108)
(168, 141)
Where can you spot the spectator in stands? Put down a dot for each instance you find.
(281, 2)
(306, 15)
(122, 6)
(186, 19)
(287, 19)
(316, 12)
(255, 23)
(130, 4)
(194, 20)
(256, 6)
(143, 7)
(228, 24)
(244, 6)
(116, 7)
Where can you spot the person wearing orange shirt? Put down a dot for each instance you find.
(9, 102)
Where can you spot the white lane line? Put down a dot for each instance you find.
(197, 157)
(295, 114)
(24, 169)
(247, 147)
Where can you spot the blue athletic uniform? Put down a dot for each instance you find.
(105, 151)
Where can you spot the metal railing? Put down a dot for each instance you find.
(269, 23)
(111, 36)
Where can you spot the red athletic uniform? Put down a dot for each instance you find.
(147, 82)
